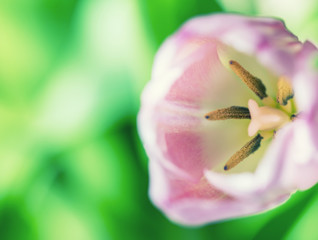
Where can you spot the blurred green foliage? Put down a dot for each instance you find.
(71, 162)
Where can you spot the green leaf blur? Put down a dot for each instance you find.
(71, 162)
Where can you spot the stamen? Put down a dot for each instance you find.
(244, 152)
(285, 91)
(233, 112)
(254, 83)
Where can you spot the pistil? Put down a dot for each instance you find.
(265, 118)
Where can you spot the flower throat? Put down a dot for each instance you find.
(265, 120)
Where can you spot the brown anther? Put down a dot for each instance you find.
(254, 83)
(285, 91)
(233, 112)
(244, 152)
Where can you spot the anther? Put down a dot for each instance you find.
(254, 83)
(233, 112)
(285, 91)
(244, 152)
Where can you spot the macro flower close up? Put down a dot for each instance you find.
(229, 119)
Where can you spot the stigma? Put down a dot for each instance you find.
(265, 118)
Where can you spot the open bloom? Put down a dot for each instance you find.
(229, 119)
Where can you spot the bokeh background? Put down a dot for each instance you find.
(71, 162)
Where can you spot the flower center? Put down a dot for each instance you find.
(266, 120)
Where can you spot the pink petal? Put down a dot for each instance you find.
(198, 203)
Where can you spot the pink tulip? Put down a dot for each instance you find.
(209, 160)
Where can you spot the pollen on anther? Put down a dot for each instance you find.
(234, 112)
(249, 148)
(254, 83)
(285, 91)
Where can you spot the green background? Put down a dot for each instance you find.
(71, 162)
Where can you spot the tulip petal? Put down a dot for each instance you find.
(196, 204)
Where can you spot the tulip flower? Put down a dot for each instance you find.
(229, 119)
